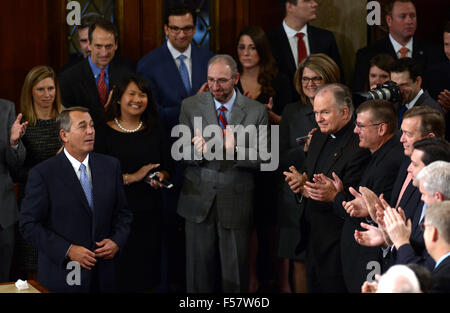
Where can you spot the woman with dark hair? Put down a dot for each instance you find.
(259, 76)
(379, 70)
(40, 104)
(260, 80)
(134, 135)
(297, 124)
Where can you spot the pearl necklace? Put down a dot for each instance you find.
(127, 130)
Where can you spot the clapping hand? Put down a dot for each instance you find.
(295, 179)
(17, 130)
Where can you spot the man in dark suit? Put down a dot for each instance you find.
(89, 82)
(436, 235)
(376, 126)
(173, 80)
(407, 236)
(285, 42)
(402, 23)
(12, 155)
(217, 195)
(332, 151)
(406, 73)
(75, 210)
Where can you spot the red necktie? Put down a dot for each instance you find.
(403, 52)
(301, 47)
(222, 119)
(101, 86)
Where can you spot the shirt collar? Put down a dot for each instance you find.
(75, 163)
(95, 69)
(175, 53)
(413, 101)
(442, 258)
(398, 46)
(292, 32)
(229, 104)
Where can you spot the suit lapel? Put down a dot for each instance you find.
(171, 70)
(286, 51)
(71, 180)
(89, 84)
(337, 152)
(317, 142)
(237, 114)
(208, 110)
(197, 79)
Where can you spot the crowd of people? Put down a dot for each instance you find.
(359, 202)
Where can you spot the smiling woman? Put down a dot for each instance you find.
(134, 135)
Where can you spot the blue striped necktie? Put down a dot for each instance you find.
(184, 74)
(86, 185)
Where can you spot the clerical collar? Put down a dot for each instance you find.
(341, 131)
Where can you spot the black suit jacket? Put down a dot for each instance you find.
(320, 41)
(441, 277)
(78, 87)
(320, 226)
(423, 52)
(379, 176)
(425, 99)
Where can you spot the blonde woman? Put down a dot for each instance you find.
(40, 105)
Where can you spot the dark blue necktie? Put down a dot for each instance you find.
(86, 185)
(184, 74)
(402, 111)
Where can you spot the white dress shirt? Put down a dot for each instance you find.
(293, 40)
(188, 60)
(76, 165)
(398, 46)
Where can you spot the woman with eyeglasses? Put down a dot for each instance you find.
(297, 125)
(261, 81)
(134, 135)
(40, 104)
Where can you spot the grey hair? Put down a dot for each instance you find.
(63, 120)
(438, 215)
(435, 177)
(227, 59)
(342, 96)
(399, 279)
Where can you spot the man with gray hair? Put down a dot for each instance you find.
(399, 279)
(437, 241)
(75, 211)
(217, 195)
(333, 152)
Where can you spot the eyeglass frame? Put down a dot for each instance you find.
(176, 30)
(219, 81)
(360, 126)
(315, 79)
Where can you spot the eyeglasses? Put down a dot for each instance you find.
(315, 79)
(219, 81)
(177, 30)
(361, 126)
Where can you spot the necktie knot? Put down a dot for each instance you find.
(222, 108)
(82, 168)
(300, 35)
(403, 52)
(182, 57)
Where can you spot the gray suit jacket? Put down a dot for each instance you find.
(229, 182)
(10, 160)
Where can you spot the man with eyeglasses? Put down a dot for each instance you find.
(175, 70)
(218, 189)
(89, 82)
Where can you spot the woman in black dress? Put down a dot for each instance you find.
(40, 104)
(261, 81)
(134, 135)
(297, 121)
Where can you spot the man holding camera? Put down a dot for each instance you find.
(406, 73)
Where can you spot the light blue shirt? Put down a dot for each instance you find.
(424, 210)
(441, 259)
(228, 105)
(96, 70)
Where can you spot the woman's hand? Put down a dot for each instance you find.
(17, 131)
(140, 174)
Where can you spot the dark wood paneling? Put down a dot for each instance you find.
(30, 33)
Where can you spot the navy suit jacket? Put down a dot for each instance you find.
(320, 41)
(55, 214)
(441, 277)
(159, 68)
(423, 52)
